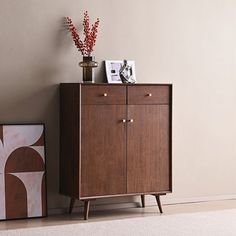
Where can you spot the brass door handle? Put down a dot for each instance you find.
(124, 120)
(105, 94)
(131, 120)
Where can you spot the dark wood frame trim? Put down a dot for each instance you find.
(79, 141)
(124, 195)
(170, 135)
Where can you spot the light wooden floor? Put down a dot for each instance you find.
(119, 214)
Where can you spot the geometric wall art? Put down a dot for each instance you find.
(22, 171)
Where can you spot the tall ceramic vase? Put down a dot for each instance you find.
(88, 64)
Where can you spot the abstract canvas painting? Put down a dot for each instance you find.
(22, 171)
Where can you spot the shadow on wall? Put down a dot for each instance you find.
(101, 73)
(39, 106)
(34, 94)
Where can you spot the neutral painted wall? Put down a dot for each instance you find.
(189, 43)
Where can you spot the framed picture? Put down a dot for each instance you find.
(119, 71)
(22, 171)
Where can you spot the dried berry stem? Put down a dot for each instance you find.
(86, 46)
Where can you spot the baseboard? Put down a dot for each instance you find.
(170, 201)
(150, 202)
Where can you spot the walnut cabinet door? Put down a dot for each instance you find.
(103, 150)
(148, 157)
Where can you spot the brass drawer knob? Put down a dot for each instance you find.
(131, 120)
(105, 94)
(123, 120)
(149, 94)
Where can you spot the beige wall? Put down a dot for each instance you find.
(189, 43)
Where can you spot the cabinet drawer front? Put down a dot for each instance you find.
(149, 94)
(103, 94)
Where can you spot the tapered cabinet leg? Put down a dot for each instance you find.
(143, 200)
(72, 203)
(159, 203)
(86, 209)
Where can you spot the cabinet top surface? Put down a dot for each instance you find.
(118, 84)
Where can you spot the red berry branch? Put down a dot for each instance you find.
(90, 35)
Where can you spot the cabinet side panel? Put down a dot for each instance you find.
(170, 135)
(69, 139)
(165, 151)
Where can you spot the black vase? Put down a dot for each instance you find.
(88, 64)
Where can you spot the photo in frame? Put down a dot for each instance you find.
(22, 171)
(118, 71)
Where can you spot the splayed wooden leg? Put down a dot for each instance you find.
(86, 209)
(159, 203)
(143, 200)
(72, 202)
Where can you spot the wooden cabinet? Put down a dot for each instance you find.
(115, 140)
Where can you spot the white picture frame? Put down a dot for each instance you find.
(113, 68)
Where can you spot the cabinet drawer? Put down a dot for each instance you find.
(149, 94)
(103, 94)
